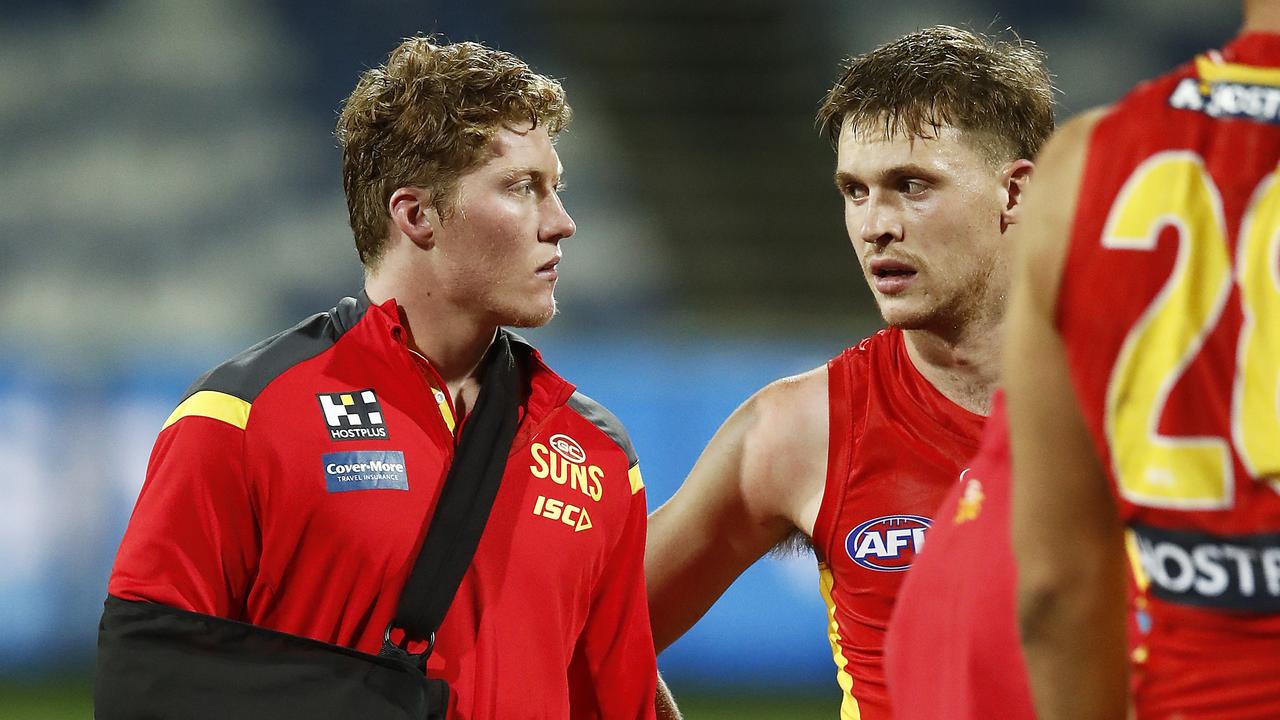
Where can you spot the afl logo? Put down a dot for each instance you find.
(887, 544)
(567, 448)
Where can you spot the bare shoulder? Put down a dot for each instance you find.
(792, 413)
(748, 492)
(1051, 205)
(785, 448)
(762, 469)
(1061, 161)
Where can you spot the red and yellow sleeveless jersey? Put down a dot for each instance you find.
(896, 448)
(1170, 311)
(952, 649)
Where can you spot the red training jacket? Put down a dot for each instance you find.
(293, 485)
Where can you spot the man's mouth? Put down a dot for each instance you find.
(890, 277)
(548, 268)
(893, 272)
(890, 268)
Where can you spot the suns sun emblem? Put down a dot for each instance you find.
(971, 502)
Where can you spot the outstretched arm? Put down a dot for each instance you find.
(1070, 604)
(754, 484)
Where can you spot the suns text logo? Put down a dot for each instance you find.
(563, 460)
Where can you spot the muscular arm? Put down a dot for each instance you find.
(760, 478)
(1070, 603)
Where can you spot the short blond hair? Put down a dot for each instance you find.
(426, 117)
(998, 91)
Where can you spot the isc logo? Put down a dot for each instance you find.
(888, 543)
(571, 515)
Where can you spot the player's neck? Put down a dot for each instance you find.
(450, 338)
(453, 344)
(1261, 16)
(964, 366)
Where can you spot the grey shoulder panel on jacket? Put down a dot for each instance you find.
(609, 423)
(246, 374)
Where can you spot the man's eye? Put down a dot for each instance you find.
(913, 187)
(523, 188)
(855, 192)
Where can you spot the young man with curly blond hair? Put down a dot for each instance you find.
(934, 133)
(290, 492)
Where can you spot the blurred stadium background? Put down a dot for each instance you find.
(171, 194)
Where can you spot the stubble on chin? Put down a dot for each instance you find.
(902, 315)
(533, 318)
(941, 317)
(907, 321)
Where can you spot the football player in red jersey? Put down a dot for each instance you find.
(289, 494)
(933, 134)
(1143, 374)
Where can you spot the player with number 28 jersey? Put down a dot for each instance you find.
(1169, 310)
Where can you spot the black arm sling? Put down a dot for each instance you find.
(159, 662)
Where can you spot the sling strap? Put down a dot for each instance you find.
(465, 501)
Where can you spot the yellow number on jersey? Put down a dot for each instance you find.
(1256, 401)
(1151, 469)
(1155, 470)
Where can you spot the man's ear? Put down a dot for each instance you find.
(1014, 178)
(411, 211)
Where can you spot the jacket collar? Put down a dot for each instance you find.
(547, 389)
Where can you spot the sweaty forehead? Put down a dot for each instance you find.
(859, 142)
(867, 149)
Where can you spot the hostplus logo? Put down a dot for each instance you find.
(353, 415)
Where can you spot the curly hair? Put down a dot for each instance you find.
(426, 117)
(998, 92)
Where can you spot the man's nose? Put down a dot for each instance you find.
(881, 222)
(557, 225)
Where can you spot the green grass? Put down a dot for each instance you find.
(72, 699)
(57, 699)
(759, 707)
